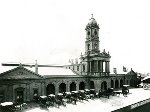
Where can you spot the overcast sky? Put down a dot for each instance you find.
(53, 31)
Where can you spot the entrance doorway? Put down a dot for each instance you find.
(19, 94)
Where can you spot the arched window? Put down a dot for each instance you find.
(62, 87)
(88, 46)
(50, 89)
(81, 86)
(121, 83)
(88, 33)
(77, 68)
(112, 84)
(83, 68)
(73, 86)
(95, 32)
(91, 84)
(95, 46)
(116, 84)
(104, 85)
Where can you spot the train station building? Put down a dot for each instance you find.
(93, 72)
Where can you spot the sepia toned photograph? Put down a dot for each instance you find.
(74, 56)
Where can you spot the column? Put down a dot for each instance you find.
(105, 66)
(43, 89)
(97, 66)
(67, 86)
(102, 66)
(87, 67)
(90, 66)
(118, 83)
(77, 86)
(114, 83)
(108, 67)
(57, 88)
(28, 92)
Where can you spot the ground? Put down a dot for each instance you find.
(101, 104)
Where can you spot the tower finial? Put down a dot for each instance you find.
(92, 15)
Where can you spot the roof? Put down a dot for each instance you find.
(52, 71)
(43, 72)
(121, 72)
(92, 23)
(19, 73)
(131, 72)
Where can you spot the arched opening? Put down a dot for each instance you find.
(121, 83)
(73, 86)
(81, 86)
(104, 85)
(92, 85)
(116, 83)
(62, 87)
(112, 84)
(50, 89)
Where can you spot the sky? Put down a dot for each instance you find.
(53, 31)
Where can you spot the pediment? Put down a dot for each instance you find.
(131, 73)
(19, 73)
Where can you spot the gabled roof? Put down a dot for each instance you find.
(131, 72)
(20, 73)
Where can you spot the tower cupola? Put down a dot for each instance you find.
(92, 23)
(92, 37)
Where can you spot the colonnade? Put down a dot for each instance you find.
(98, 66)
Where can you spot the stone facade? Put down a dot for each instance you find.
(93, 72)
(20, 83)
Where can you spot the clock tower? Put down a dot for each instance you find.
(92, 37)
(94, 62)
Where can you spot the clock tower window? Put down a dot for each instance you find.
(95, 46)
(95, 32)
(88, 46)
(88, 32)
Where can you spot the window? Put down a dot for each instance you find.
(95, 46)
(73, 67)
(77, 68)
(88, 33)
(83, 68)
(95, 32)
(88, 46)
(35, 94)
(127, 81)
